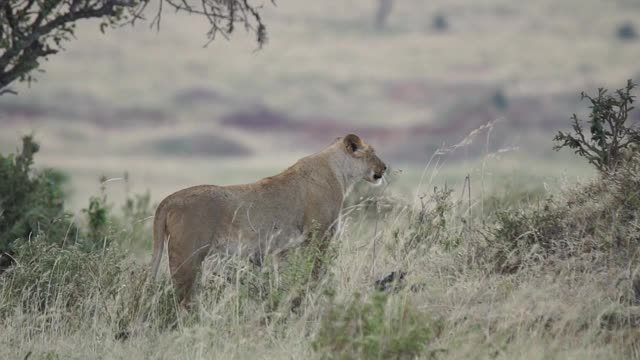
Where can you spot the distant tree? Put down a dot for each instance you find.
(33, 30)
(382, 13)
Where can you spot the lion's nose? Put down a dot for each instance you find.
(376, 176)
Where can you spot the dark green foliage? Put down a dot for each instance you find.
(627, 32)
(31, 202)
(378, 327)
(610, 135)
(32, 205)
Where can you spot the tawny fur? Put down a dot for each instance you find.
(261, 218)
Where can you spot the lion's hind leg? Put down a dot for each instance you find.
(185, 265)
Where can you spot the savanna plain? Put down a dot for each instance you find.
(482, 243)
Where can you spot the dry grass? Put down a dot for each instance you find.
(571, 306)
(577, 308)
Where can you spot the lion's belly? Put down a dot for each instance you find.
(253, 228)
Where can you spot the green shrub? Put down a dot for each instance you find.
(593, 220)
(31, 202)
(610, 135)
(600, 217)
(128, 227)
(377, 327)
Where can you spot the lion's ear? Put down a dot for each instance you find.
(352, 143)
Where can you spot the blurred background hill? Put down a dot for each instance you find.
(409, 76)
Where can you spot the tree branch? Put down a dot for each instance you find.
(8, 91)
(32, 29)
(107, 9)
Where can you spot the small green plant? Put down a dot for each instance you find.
(610, 135)
(97, 235)
(133, 222)
(31, 202)
(97, 215)
(49, 355)
(128, 227)
(377, 327)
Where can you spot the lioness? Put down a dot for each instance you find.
(265, 217)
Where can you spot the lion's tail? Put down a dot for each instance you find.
(159, 237)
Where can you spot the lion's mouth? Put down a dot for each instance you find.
(376, 178)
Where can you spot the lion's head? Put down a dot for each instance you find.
(364, 160)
